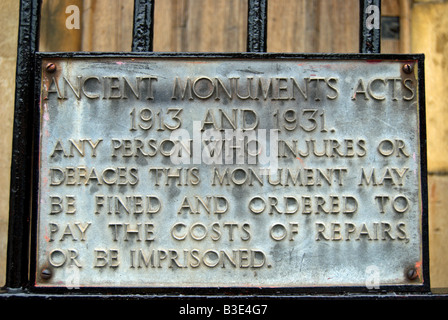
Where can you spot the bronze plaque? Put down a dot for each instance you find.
(229, 172)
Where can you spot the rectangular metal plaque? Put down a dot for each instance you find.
(229, 172)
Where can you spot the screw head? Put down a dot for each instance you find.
(51, 67)
(407, 68)
(412, 274)
(45, 274)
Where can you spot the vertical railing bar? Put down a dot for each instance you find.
(369, 26)
(257, 25)
(143, 28)
(22, 143)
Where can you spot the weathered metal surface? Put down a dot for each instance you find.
(332, 197)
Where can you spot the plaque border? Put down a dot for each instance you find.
(423, 287)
